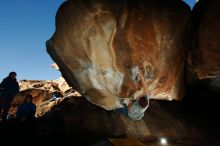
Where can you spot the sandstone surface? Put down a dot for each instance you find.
(205, 54)
(103, 46)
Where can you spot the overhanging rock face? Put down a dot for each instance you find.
(101, 47)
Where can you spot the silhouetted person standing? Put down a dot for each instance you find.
(9, 87)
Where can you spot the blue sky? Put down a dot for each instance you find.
(25, 26)
(190, 3)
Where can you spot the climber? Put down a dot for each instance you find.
(135, 107)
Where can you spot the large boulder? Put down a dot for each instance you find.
(101, 47)
(205, 54)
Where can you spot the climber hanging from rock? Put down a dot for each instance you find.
(135, 108)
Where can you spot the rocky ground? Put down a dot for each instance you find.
(75, 121)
